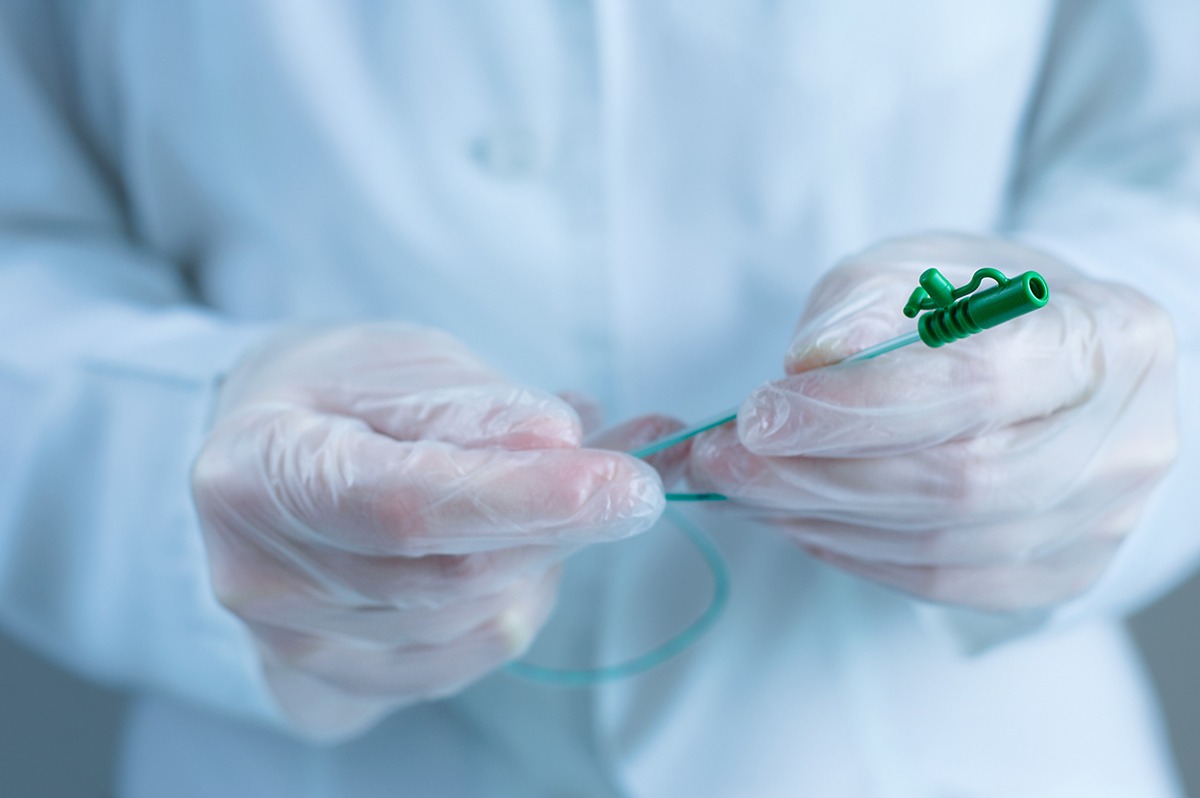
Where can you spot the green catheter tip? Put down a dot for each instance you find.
(956, 313)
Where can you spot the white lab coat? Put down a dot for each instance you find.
(630, 198)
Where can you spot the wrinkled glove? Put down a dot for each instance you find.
(387, 515)
(997, 473)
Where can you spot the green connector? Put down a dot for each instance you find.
(959, 312)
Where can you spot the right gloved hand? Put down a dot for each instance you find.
(387, 515)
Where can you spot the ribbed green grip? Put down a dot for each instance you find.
(985, 309)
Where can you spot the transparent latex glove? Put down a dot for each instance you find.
(998, 473)
(388, 515)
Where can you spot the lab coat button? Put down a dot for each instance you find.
(506, 154)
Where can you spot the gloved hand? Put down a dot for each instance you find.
(998, 473)
(387, 515)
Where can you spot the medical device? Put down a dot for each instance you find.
(950, 315)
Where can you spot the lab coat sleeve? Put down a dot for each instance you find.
(1108, 179)
(107, 376)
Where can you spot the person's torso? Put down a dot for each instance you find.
(632, 199)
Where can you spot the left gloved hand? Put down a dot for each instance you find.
(999, 473)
